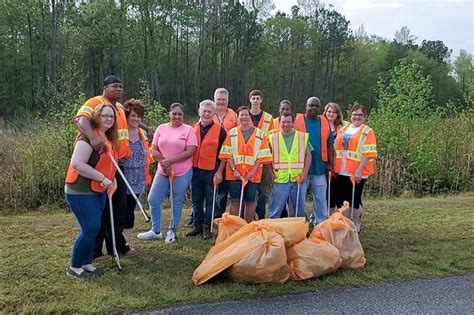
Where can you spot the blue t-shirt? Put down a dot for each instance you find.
(313, 128)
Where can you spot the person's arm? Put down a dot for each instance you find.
(189, 151)
(149, 132)
(219, 171)
(84, 126)
(157, 156)
(252, 171)
(358, 172)
(307, 164)
(330, 158)
(80, 157)
(235, 172)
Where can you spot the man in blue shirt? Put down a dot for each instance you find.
(322, 141)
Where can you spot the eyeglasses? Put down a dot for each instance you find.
(107, 116)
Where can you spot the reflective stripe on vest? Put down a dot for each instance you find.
(288, 164)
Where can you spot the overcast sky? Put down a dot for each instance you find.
(451, 21)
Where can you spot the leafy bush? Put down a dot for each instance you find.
(422, 149)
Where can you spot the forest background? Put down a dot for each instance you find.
(54, 55)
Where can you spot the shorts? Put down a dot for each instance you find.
(250, 191)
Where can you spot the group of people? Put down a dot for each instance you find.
(227, 153)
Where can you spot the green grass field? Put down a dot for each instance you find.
(402, 239)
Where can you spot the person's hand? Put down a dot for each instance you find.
(98, 144)
(157, 156)
(165, 163)
(271, 175)
(237, 175)
(218, 176)
(250, 174)
(358, 175)
(106, 183)
(303, 177)
(330, 168)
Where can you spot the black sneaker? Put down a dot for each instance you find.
(206, 232)
(83, 275)
(195, 231)
(97, 273)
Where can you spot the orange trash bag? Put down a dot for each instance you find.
(312, 258)
(228, 225)
(245, 241)
(266, 264)
(293, 230)
(342, 233)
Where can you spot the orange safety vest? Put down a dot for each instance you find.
(300, 125)
(149, 159)
(229, 121)
(362, 144)
(245, 155)
(104, 165)
(122, 127)
(276, 124)
(206, 152)
(265, 124)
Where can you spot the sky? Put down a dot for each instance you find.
(451, 21)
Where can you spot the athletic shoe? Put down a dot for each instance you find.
(195, 231)
(170, 237)
(97, 273)
(73, 274)
(150, 235)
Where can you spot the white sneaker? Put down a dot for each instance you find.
(170, 237)
(150, 235)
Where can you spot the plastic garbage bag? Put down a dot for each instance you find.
(342, 233)
(266, 264)
(312, 258)
(246, 241)
(228, 225)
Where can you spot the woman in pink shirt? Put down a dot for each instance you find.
(173, 148)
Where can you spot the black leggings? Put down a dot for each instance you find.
(343, 191)
(130, 212)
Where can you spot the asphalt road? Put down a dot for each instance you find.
(452, 295)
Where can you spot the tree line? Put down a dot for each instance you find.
(170, 50)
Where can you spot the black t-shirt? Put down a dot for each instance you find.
(256, 118)
(222, 135)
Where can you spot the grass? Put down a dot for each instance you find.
(402, 239)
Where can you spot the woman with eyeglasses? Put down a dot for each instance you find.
(356, 150)
(89, 176)
(173, 146)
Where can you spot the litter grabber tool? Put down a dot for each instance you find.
(115, 255)
(244, 183)
(353, 181)
(214, 183)
(147, 217)
(298, 188)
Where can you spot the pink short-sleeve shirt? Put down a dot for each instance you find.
(172, 141)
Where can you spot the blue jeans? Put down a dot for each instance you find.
(279, 197)
(318, 185)
(202, 189)
(88, 211)
(158, 192)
